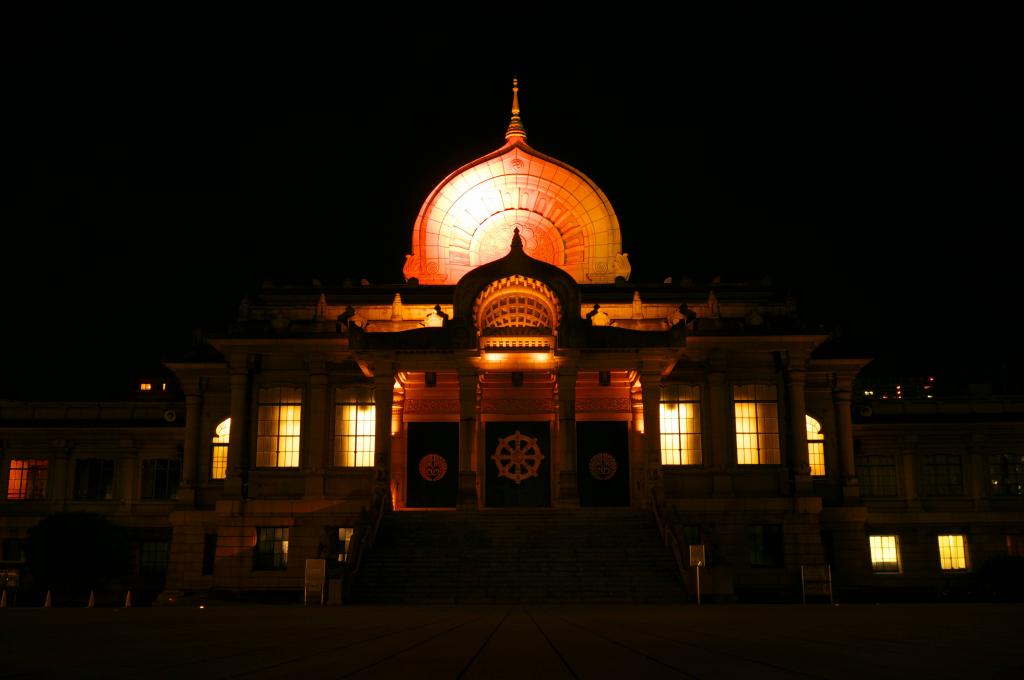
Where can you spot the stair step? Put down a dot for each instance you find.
(518, 555)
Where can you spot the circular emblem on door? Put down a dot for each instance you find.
(432, 467)
(517, 457)
(603, 466)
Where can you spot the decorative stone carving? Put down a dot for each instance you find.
(592, 404)
(431, 405)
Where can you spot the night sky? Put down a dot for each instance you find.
(157, 167)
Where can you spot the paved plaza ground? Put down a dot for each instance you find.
(517, 641)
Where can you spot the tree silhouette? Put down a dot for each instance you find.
(72, 553)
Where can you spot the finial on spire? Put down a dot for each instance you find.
(517, 241)
(515, 128)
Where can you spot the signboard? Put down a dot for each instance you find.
(696, 555)
(314, 582)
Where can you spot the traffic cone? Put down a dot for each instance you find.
(92, 599)
(128, 600)
(49, 600)
(3, 599)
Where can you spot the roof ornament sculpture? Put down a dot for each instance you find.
(515, 127)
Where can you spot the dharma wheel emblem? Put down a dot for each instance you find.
(603, 466)
(518, 457)
(432, 467)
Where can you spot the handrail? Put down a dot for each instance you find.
(668, 537)
(362, 541)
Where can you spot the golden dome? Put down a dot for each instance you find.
(562, 216)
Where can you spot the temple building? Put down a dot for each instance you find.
(517, 420)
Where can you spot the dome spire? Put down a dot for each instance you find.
(515, 127)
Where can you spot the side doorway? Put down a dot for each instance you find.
(602, 466)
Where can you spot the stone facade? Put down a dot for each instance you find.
(333, 393)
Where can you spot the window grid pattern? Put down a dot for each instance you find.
(877, 476)
(953, 552)
(680, 425)
(885, 554)
(94, 479)
(219, 450)
(278, 426)
(943, 475)
(271, 548)
(27, 479)
(153, 556)
(815, 447)
(757, 424)
(355, 423)
(1007, 475)
(160, 477)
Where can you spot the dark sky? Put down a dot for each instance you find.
(158, 166)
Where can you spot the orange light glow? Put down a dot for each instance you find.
(145, 387)
(562, 217)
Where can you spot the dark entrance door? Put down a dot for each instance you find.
(518, 460)
(432, 476)
(602, 468)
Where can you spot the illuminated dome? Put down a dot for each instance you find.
(562, 216)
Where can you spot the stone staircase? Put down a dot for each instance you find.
(518, 555)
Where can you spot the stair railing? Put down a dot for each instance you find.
(668, 537)
(363, 539)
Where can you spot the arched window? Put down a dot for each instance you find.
(219, 450)
(815, 447)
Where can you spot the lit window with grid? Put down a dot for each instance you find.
(1007, 474)
(26, 479)
(277, 429)
(680, 425)
(94, 479)
(757, 424)
(355, 423)
(271, 548)
(885, 554)
(815, 447)
(877, 476)
(943, 475)
(219, 450)
(160, 477)
(953, 552)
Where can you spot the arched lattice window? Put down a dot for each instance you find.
(516, 302)
(815, 447)
(219, 450)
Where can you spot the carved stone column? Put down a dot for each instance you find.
(977, 469)
(126, 474)
(844, 433)
(467, 497)
(237, 451)
(568, 489)
(193, 432)
(317, 459)
(718, 403)
(383, 398)
(797, 402)
(650, 390)
(907, 467)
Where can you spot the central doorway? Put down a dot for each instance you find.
(518, 459)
